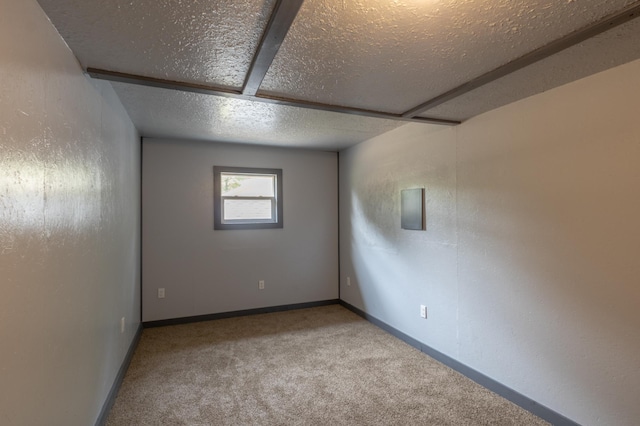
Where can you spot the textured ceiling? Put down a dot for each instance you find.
(382, 56)
(183, 40)
(394, 55)
(614, 47)
(161, 113)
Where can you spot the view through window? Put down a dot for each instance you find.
(247, 198)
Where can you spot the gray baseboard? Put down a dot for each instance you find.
(111, 398)
(242, 313)
(528, 404)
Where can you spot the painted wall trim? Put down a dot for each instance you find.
(113, 393)
(528, 404)
(338, 215)
(140, 219)
(232, 314)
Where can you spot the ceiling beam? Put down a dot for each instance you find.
(140, 80)
(235, 94)
(576, 37)
(284, 12)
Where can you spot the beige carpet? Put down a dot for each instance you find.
(320, 366)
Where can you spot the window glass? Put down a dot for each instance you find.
(247, 198)
(247, 210)
(246, 185)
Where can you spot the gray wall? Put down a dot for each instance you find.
(529, 264)
(207, 271)
(69, 228)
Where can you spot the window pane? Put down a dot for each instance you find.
(247, 209)
(240, 185)
(247, 198)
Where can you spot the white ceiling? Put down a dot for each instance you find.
(393, 55)
(386, 56)
(167, 113)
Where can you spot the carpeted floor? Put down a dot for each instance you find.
(319, 366)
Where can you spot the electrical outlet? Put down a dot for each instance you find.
(261, 285)
(161, 293)
(122, 325)
(349, 281)
(423, 311)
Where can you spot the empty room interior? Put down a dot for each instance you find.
(461, 176)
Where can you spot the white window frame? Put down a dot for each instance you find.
(220, 223)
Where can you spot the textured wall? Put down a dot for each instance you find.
(69, 228)
(528, 265)
(393, 270)
(205, 271)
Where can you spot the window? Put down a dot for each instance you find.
(247, 198)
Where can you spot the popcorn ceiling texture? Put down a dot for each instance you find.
(393, 56)
(609, 49)
(197, 41)
(387, 56)
(235, 120)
